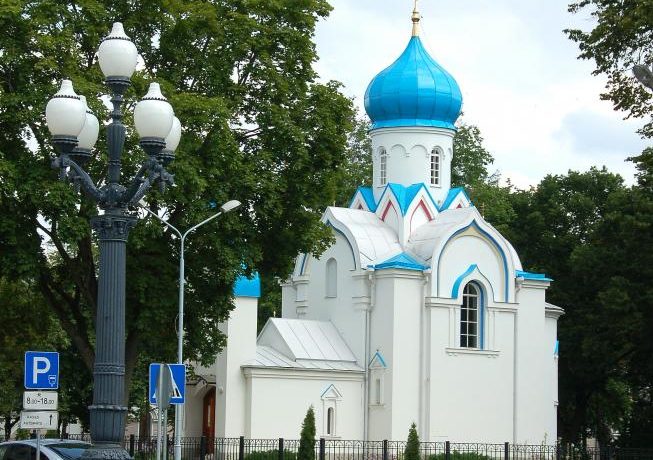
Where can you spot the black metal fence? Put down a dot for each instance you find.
(203, 448)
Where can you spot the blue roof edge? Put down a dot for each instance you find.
(247, 287)
(413, 122)
(532, 276)
(402, 261)
(368, 194)
(453, 193)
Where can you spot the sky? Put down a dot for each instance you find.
(538, 107)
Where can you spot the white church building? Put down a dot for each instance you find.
(419, 312)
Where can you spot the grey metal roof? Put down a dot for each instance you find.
(269, 357)
(303, 344)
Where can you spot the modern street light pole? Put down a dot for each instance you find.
(74, 132)
(228, 206)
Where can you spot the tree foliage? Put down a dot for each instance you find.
(412, 444)
(621, 37)
(306, 449)
(257, 128)
(591, 234)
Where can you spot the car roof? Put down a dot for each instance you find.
(45, 442)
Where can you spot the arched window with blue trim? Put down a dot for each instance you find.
(471, 317)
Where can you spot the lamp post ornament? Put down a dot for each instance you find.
(74, 132)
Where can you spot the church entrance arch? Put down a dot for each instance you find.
(208, 419)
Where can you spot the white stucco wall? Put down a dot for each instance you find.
(396, 334)
(409, 159)
(280, 398)
(535, 410)
(230, 395)
(340, 310)
(470, 394)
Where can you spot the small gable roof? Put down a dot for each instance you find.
(406, 194)
(301, 339)
(402, 261)
(452, 195)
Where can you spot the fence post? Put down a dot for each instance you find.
(385, 449)
(447, 450)
(202, 447)
(506, 451)
(132, 443)
(280, 448)
(322, 449)
(241, 448)
(558, 451)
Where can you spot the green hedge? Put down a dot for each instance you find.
(455, 455)
(270, 455)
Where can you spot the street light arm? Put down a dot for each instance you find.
(80, 176)
(138, 180)
(205, 221)
(149, 173)
(167, 224)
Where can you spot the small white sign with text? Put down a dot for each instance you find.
(40, 400)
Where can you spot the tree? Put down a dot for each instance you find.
(26, 322)
(358, 167)
(257, 127)
(565, 227)
(412, 444)
(621, 38)
(469, 169)
(306, 449)
(469, 166)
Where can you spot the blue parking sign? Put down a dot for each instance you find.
(41, 370)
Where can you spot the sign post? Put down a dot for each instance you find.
(167, 386)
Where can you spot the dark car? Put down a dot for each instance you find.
(51, 449)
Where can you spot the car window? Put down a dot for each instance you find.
(69, 450)
(3, 449)
(22, 452)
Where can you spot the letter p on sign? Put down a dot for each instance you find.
(41, 370)
(41, 366)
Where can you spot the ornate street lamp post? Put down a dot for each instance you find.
(74, 132)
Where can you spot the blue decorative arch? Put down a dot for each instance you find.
(351, 248)
(496, 244)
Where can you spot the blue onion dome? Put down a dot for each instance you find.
(414, 91)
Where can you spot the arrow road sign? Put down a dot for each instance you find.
(41, 370)
(40, 400)
(39, 420)
(178, 382)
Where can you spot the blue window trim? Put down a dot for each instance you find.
(456, 285)
(380, 358)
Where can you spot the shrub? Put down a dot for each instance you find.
(455, 455)
(412, 445)
(271, 455)
(307, 439)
